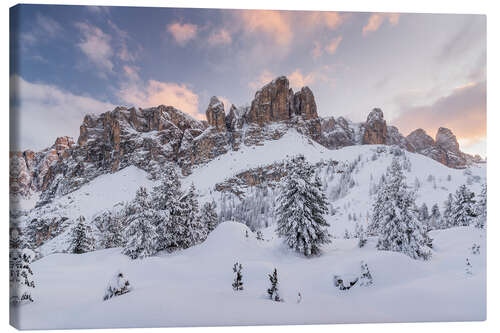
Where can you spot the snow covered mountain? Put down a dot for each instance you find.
(240, 162)
(149, 138)
(228, 158)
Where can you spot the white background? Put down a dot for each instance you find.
(490, 8)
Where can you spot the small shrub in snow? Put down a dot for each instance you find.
(476, 249)
(365, 279)
(468, 267)
(360, 235)
(273, 292)
(238, 279)
(299, 298)
(260, 236)
(246, 233)
(118, 285)
(346, 234)
(448, 178)
(345, 282)
(21, 276)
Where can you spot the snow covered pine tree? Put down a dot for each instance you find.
(118, 285)
(208, 216)
(301, 207)
(238, 279)
(81, 242)
(273, 292)
(142, 239)
(481, 208)
(463, 210)
(394, 217)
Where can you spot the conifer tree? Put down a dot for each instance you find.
(192, 230)
(209, 216)
(301, 208)
(142, 238)
(423, 213)
(395, 220)
(463, 210)
(360, 235)
(447, 221)
(468, 267)
(81, 242)
(166, 199)
(273, 291)
(238, 279)
(435, 218)
(481, 208)
(21, 275)
(366, 278)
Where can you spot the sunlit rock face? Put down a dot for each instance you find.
(151, 138)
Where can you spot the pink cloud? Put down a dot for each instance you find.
(298, 80)
(275, 24)
(331, 48)
(96, 45)
(219, 37)
(155, 93)
(317, 50)
(377, 19)
(182, 33)
(132, 72)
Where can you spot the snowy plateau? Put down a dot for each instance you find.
(192, 286)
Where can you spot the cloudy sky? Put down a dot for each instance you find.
(423, 70)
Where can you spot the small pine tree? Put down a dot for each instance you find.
(142, 238)
(347, 235)
(260, 236)
(463, 211)
(447, 220)
(238, 279)
(435, 218)
(273, 292)
(476, 249)
(81, 242)
(360, 235)
(118, 285)
(21, 276)
(301, 208)
(481, 209)
(209, 216)
(365, 279)
(468, 267)
(423, 213)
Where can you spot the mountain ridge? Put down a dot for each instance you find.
(149, 138)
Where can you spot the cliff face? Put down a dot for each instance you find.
(150, 138)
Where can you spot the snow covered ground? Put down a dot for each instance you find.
(193, 287)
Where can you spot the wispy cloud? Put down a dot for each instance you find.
(182, 32)
(96, 45)
(331, 47)
(220, 37)
(154, 93)
(273, 24)
(40, 112)
(463, 111)
(49, 26)
(376, 20)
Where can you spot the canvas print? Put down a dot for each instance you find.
(212, 167)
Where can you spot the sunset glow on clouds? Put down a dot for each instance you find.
(423, 70)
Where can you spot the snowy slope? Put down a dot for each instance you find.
(181, 289)
(110, 191)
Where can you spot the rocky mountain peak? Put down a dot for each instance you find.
(216, 116)
(420, 139)
(375, 128)
(447, 140)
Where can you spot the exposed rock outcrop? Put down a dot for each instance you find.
(150, 138)
(375, 128)
(216, 116)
